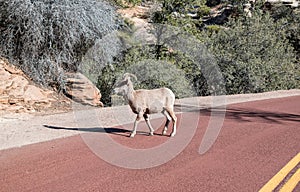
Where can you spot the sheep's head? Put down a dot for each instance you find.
(123, 86)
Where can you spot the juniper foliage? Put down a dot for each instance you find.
(45, 38)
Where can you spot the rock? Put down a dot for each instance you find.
(80, 89)
(15, 100)
(16, 86)
(19, 94)
(11, 69)
(4, 99)
(34, 94)
(292, 3)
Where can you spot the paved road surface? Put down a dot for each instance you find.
(257, 139)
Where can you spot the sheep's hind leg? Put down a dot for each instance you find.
(168, 119)
(174, 119)
(137, 120)
(146, 117)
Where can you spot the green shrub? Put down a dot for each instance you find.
(153, 73)
(150, 71)
(254, 55)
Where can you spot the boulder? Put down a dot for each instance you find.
(80, 89)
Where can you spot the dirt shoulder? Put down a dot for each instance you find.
(19, 129)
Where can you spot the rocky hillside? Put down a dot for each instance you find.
(19, 94)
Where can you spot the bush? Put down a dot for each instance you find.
(150, 71)
(47, 37)
(125, 3)
(255, 55)
(102, 53)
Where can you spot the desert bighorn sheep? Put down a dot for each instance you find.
(144, 102)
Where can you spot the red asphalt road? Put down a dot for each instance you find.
(256, 141)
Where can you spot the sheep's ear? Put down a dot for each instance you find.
(126, 76)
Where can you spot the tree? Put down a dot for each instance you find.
(291, 22)
(186, 14)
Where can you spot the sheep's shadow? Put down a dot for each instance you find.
(109, 130)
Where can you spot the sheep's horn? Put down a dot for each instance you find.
(128, 75)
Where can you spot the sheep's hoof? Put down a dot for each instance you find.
(132, 135)
(164, 132)
(151, 133)
(173, 134)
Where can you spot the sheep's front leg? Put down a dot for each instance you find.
(174, 129)
(174, 119)
(137, 120)
(147, 119)
(168, 119)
